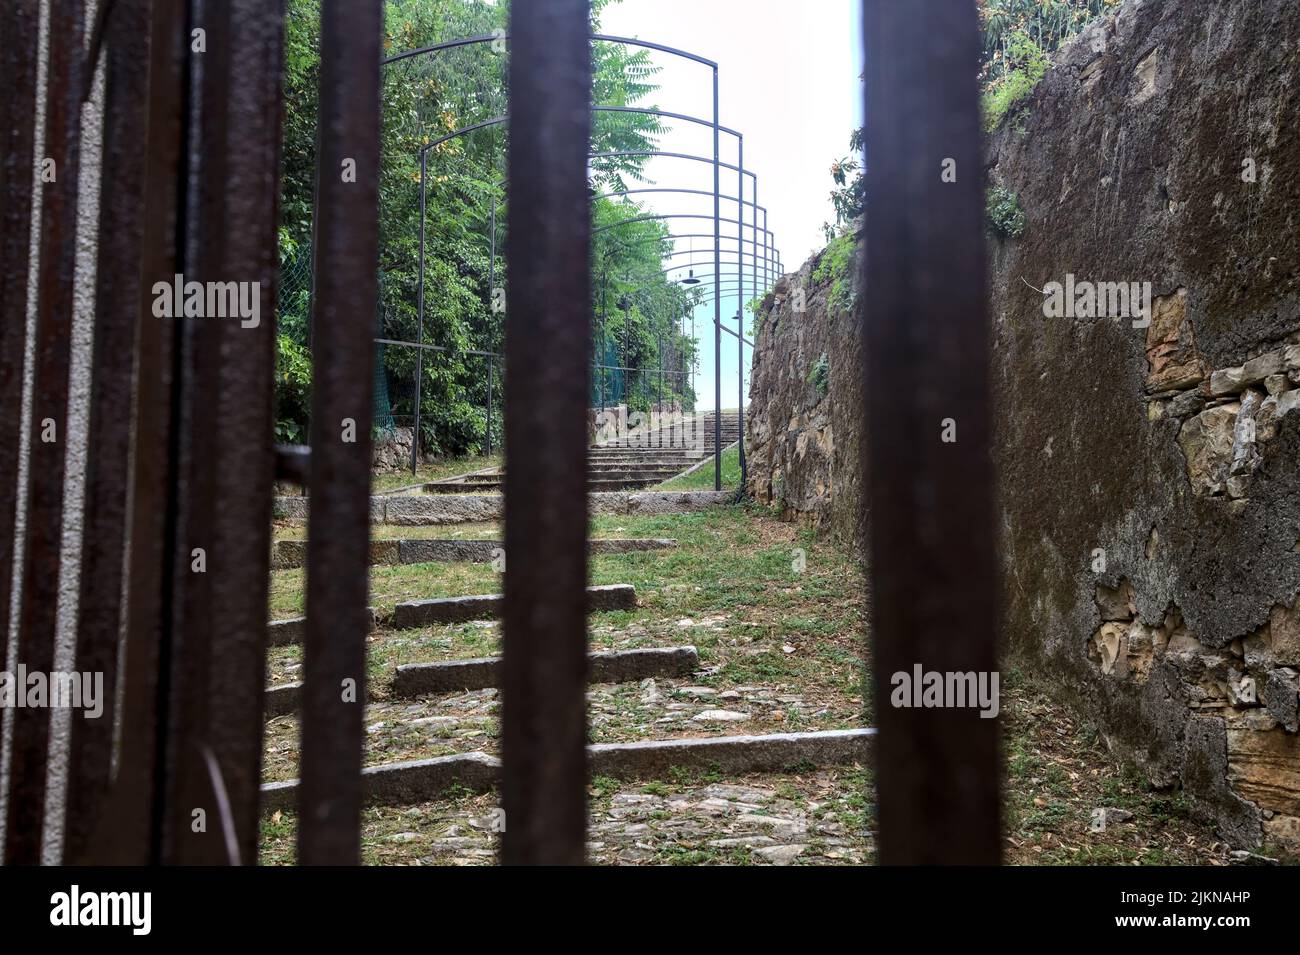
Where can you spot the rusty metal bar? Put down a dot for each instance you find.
(931, 529)
(48, 426)
(347, 254)
(129, 829)
(218, 651)
(187, 655)
(20, 25)
(108, 434)
(548, 348)
(252, 88)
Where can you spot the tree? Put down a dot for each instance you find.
(424, 98)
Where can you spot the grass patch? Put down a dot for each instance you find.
(433, 471)
(702, 479)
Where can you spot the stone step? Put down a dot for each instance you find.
(428, 510)
(593, 485)
(291, 554)
(282, 633)
(613, 666)
(455, 676)
(424, 613)
(417, 781)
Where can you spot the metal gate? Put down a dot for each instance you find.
(180, 458)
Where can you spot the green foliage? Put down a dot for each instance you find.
(836, 266)
(293, 387)
(422, 99)
(1025, 65)
(819, 376)
(1003, 212)
(627, 269)
(1018, 37)
(1046, 23)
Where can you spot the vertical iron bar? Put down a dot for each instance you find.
(934, 562)
(740, 305)
(419, 312)
(243, 142)
(48, 426)
(489, 404)
(129, 830)
(492, 246)
(717, 298)
(329, 828)
(108, 433)
(20, 25)
(548, 348)
(187, 656)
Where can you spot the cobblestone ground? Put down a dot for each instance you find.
(815, 818)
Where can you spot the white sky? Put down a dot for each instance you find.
(789, 81)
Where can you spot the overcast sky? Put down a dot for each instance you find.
(789, 81)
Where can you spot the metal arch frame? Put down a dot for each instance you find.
(717, 167)
(670, 215)
(769, 243)
(703, 235)
(742, 257)
(685, 215)
(732, 262)
(769, 248)
(505, 37)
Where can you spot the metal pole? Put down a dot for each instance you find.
(419, 311)
(933, 528)
(717, 300)
(740, 308)
(548, 344)
(489, 406)
(753, 260)
(492, 254)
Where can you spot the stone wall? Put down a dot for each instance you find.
(1149, 476)
(803, 420)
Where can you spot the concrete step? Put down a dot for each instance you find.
(593, 484)
(416, 781)
(425, 613)
(413, 680)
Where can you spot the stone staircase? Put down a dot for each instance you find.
(631, 462)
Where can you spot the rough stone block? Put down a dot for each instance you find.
(433, 509)
(608, 502)
(676, 502)
(1227, 381)
(282, 633)
(731, 754)
(1261, 367)
(617, 666)
(401, 784)
(1264, 767)
(1206, 441)
(424, 613)
(291, 508)
(1284, 633)
(288, 554)
(429, 551)
(282, 700)
(1281, 697)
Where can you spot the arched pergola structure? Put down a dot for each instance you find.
(716, 162)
